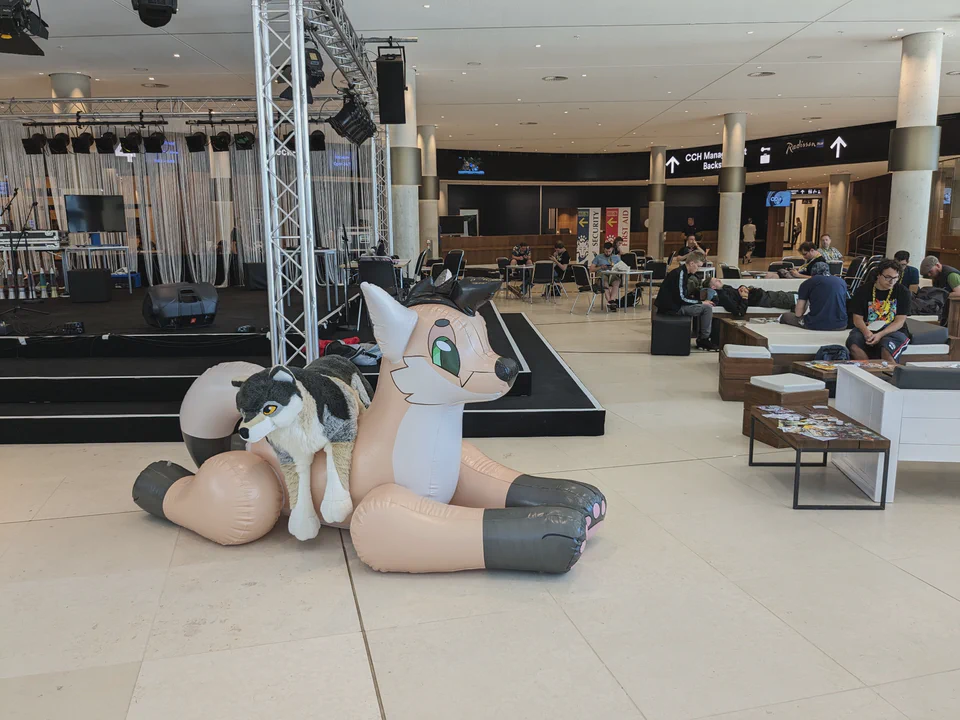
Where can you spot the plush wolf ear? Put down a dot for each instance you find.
(281, 374)
(393, 324)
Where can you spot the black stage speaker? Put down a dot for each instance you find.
(256, 276)
(180, 305)
(390, 86)
(90, 286)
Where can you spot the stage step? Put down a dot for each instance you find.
(90, 422)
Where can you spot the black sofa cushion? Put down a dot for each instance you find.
(907, 377)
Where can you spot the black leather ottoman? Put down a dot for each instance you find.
(670, 334)
(90, 286)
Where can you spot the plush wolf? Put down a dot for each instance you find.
(302, 412)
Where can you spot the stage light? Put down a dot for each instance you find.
(196, 142)
(107, 143)
(153, 143)
(221, 141)
(131, 143)
(244, 140)
(155, 13)
(82, 143)
(34, 144)
(18, 27)
(318, 141)
(313, 66)
(59, 144)
(353, 122)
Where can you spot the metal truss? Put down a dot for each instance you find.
(278, 33)
(329, 27)
(382, 200)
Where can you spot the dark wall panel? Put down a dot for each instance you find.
(504, 209)
(602, 196)
(683, 201)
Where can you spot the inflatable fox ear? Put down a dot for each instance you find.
(393, 324)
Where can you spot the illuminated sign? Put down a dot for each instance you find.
(470, 166)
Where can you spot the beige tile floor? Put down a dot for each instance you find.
(704, 595)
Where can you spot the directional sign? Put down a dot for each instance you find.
(672, 164)
(838, 143)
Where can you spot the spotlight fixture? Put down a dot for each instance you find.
(353, 122)
(244, 140)
(18, 27)
(155, 13)
(221, 141)
(131, 143)
(318, 141)
(59, 144)
(107, 143)
(313, 65)
(34, 144)
(153, 143)
(82, 143)
(196, 142)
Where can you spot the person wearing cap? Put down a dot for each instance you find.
(943, 276)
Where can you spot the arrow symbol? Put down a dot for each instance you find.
(672, 164)
(583, 222)
(837, 144)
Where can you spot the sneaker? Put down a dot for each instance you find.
(613, 307)
(706, 344)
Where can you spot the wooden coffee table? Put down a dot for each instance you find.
(826, 370)
(825, 431)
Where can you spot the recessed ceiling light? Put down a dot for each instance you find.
(496, 124)
(42, 73)
(812, 118)
(443, 117)
(449, 135)
(779, 95)
(749, 32)
(464, 72)
(952, 72)
(571, 142)
(154, 85)
(474, 63)
(141, 69)
(763, 73)
(814, 57)
(96, 79)
(536, 46)
(583, 75)
(427, 7)
(529, 122)
(686, 111)
(178, 55)
(669, 92)
(554, 78)
(894, 37)
(567, 112)
(899, 29)
(151, 78)
(519, 100)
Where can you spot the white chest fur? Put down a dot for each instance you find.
(304, 436)
(427, 451)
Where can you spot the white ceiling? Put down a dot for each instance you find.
(656, 72)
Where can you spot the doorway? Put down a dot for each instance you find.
(804, 221)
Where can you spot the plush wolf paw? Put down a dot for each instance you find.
(336, 511)
(303, 525)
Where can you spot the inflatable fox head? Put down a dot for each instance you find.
(435, 347)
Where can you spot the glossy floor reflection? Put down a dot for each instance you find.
(704, 595)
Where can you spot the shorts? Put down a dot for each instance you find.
(895, 343)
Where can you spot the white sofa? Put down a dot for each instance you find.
(922, 425)
(789, 340)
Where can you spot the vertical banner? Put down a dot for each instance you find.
(623, 226)
(596, 230)
(611, 224)
(583, 234)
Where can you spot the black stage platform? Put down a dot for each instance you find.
(122, 381)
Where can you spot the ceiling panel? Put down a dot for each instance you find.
(894, 10)
(80, 18)
(857, 42)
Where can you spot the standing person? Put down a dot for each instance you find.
(909, 275)
(829, 252)
(814, 265)
(674, 299)
(520, 256)
(561, 261)
(691, 228)
(749, 240)
(826, 297)
(605, 261)
(797, 230)
(943, 276)
(880, 310)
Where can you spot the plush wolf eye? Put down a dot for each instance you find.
(269, 409)
(445, 356)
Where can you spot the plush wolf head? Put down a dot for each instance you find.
(436, 349)
(267, 400)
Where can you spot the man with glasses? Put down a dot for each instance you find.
(880, 310)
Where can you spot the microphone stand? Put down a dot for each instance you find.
(16, 271)
(16, 191)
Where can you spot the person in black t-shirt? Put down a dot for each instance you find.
(561, 261)
(879, 311)
(815, 263)
(520, 255)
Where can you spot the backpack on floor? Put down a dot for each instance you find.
(833, 353)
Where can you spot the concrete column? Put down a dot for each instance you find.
(838, 195)
(731, 186)
(658, 195)
(429, 189)
(444, 195)
(915, 143)
(69, 85)
(405, 176)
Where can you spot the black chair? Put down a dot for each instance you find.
(659, 270)
(377, 271)
(794, 260)
(543, 275)
(836, 268)
(728, 272)
(854, 281)
(503, 270)
(418, 268)
(436, 269)
(454, 262)
(581, 276)
(854, 266)
(669, 334)
(777, 266)
(630, 258)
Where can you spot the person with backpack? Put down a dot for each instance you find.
(943, 276)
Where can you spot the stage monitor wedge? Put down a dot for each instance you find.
(390, 87)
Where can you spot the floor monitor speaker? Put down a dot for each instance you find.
(390, 87)
(180, 305)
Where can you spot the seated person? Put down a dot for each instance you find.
(737, 300)
(943, 276)
(674, 299)
(880, 309)
(829, 252)
(520, 255)
(909, 275)
(814, 265)
(826, 298)
(611, 284)
(561, 261)
(618, 248)
(691, 247)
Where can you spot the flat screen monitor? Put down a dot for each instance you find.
(453, 224)
(95, 213)
(779, 198)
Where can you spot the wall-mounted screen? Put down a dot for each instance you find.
(95, 213)
(779, 198)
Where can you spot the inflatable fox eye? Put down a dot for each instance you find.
(269, 409)
(443, 348)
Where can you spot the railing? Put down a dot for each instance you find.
(869, 239)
